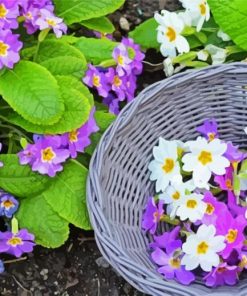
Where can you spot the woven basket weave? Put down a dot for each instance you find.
(118, 184)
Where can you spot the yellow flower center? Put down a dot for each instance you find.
(180, 151)
(211, 136)
(117, 81)
(3, 49)
(229, 184)
(175, 263)
(168, 165)
(231, 235)
(210, 209)
(156, 216)
(3, 11)
(51, 22)
(47, 154)
(7, 204)
(221, 269)
(73, 136)
(202, 248)
(120, 60)
(171, 34)
(29, 15)
(96, 80)
(205, 157)
(14, 241)
(203, 9)
(243, 262)
(176, 195)
(191, 203)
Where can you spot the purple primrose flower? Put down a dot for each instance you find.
(226, 181)
(209, 129)
(9, 49)
(16, 244)
(9, 11)
(152, 215)
(121, 56)
(8, 205)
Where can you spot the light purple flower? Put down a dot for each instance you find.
(213, 210)
(209, 129)
(9, 11)
(224, 274)
(27, 156)
(233, 231)
(152, 215)
(16, 244)
(226, 181)
(118, 84)
(1, 266)
(78, 140)
(121, 56)
(9, 49)
(168, 240)
(48, 20)
(233, 154)
(95, 78)
(136, 63)
(103, 35)
(234, 208)
(130, 85)
(8, 205)
(171, 266)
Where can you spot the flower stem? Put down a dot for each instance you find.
(167, 219)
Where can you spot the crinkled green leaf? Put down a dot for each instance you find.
(32, 91)
(231, 16)
(74, 11)
(56, 48)
(95, 50)
(77, 109)
(146, 35)
(19, 180)
(67, 195)
(39, 218)
(100, 24)
(65, 65)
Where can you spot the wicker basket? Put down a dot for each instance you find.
(118, 184)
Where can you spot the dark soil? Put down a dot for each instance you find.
(78, 268)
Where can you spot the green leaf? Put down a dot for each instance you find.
(201, 37)
(77, 109)
(231, 16)
(146, 35)
(19, 180)
(57, 48)
(195, 64)
(65, 65)
(38, 217)
(96, 50)
(189, 56)
(100, 24)
(32, 91)
(193, 41)
(75, 11)
(70, 202)
(244, 166)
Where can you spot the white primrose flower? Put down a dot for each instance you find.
(168, 67)
(218, 54)
(223, 36)
(174, 194)
(202, 55)
(165, 166)
(186, 17)
(169, 34)
(198, 10)
(202, 248)
(204, 159)
(191, 207)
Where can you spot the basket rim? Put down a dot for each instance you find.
(119, 259)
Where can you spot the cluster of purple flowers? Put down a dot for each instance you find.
(48, 152)
(212, 246)
(13, 243)
(117, 84)
(37, 15)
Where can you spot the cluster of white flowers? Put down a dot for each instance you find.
(171, 26)
(201, 159)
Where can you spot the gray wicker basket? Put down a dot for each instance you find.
(118, 184)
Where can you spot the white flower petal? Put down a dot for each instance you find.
(182, 44)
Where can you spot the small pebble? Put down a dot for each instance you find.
(101, 262)
(124, 24)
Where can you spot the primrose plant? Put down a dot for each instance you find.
(50, 121)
